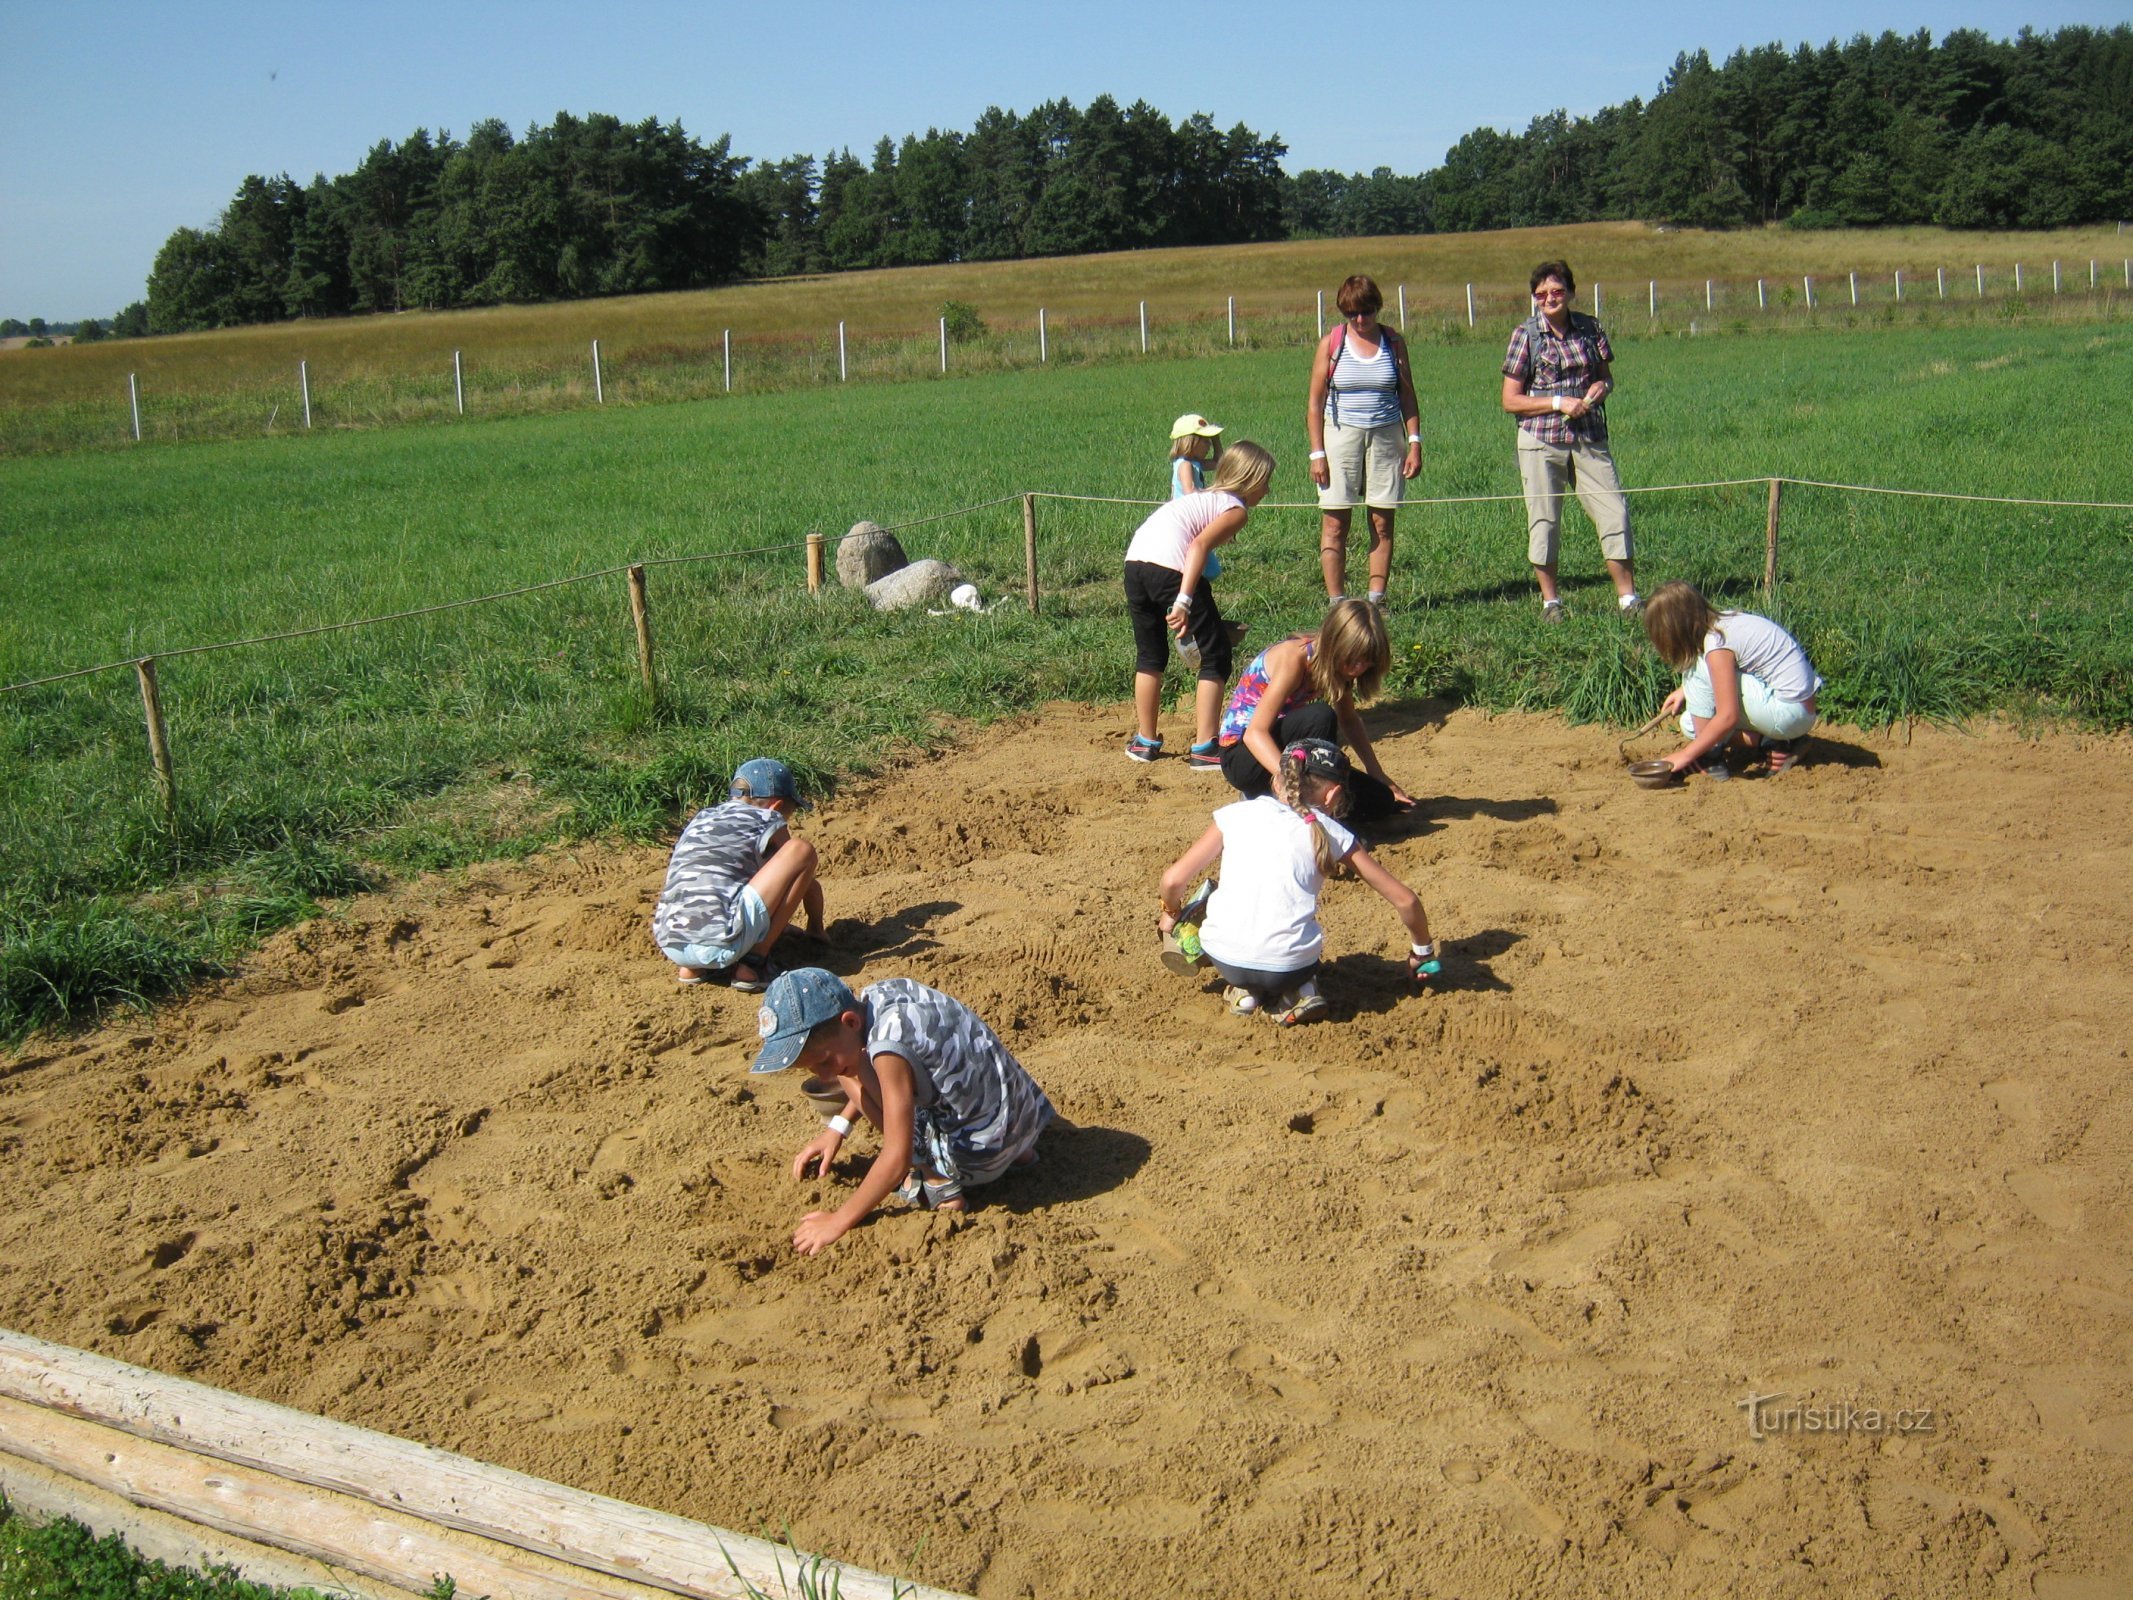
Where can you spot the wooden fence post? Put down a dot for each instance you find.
(641, 615)
(1770, 542)
(814, 563)
(158, 737)
(1029, 548)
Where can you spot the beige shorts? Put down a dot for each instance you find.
(1547, 470)
(1363, 467)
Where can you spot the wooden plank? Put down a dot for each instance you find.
(260, 1506)
(43, 1495)
(586, 1530)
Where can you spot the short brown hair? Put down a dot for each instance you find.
(1359, 296)
(1676, 619)
(1553, 269)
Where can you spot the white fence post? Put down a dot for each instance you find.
(1596, 302)
(1762, 301)
(599, 394)
(1043, 347)
(1808, 283)
(303, 382)
(726, 345)
(2055, 277)
(1940, 281)
(1707, 294)
(1470, 305)
(1321, 313)
(844, 371)
(1144, 327)
(2092, 272)
(459, 384)
(1233, 321)
(1981, 280)
(1403, 308)
(1651, 294)
(2018, 277)
(1899, 283)
(944, 344)
(133, 393)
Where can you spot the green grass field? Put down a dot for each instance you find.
(305, 769)
(368, 372)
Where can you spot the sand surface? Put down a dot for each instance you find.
(1812, 1087)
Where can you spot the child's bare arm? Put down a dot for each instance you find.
(819, 1229)
(1198, 857)
(1402, 899)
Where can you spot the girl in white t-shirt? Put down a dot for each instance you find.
(1260, 929)
(1745, 682)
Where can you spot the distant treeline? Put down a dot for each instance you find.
(1971, 133)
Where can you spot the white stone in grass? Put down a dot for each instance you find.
(966, 595)
(868, 552)
(922, 583)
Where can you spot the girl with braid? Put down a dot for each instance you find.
(1259, 926)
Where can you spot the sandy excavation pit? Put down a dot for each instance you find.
(1813, 1087)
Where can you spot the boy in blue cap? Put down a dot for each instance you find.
(947, 1096)
(736, 878)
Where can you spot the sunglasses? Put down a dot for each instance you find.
(1551, 294)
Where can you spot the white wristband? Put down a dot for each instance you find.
(1555, 402)
(1318, 455)
(840, 1125)
(1182, 603)
(1414, 438)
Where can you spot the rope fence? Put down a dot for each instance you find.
(814, 545)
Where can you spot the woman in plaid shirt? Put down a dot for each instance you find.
(1556, 379)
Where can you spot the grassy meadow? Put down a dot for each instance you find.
(519, 360)
(308, 768)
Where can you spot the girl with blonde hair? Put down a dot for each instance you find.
(1170, 556)
(1306, 687)
(1259, 927)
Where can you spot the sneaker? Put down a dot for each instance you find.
(1631, 605)
(1140, 749)
(1241, 1002)
(1376, 597)
(1551, 611)
(1300, 1005)
(1204, 757)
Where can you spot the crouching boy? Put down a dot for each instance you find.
(953, 1107)
(736, 878)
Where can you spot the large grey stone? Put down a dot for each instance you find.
(868, 552)
(922, 583)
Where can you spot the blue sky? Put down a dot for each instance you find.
(123, 120)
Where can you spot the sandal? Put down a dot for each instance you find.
(750, 975)
(1299, 1005)
(1241, 1002)
(689, 975)
(1782, 754)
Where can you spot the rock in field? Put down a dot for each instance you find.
(868, 552)
(922, 583)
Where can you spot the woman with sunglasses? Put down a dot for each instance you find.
(1366, 434)
(1557, 376)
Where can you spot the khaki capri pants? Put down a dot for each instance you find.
(1547, 470)
(1363, 467)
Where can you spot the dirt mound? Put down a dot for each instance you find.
(1810, 1088)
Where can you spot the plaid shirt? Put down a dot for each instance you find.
(1551, 363)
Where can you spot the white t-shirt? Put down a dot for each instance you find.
(1164, 538)
(1764, 650)
(1264, 913)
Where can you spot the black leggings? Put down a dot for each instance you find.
(1150, 589)
(1369, 800)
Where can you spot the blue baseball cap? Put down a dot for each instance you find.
(765, 779)
(797, 1003)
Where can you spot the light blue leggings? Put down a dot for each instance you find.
(1759, 708)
